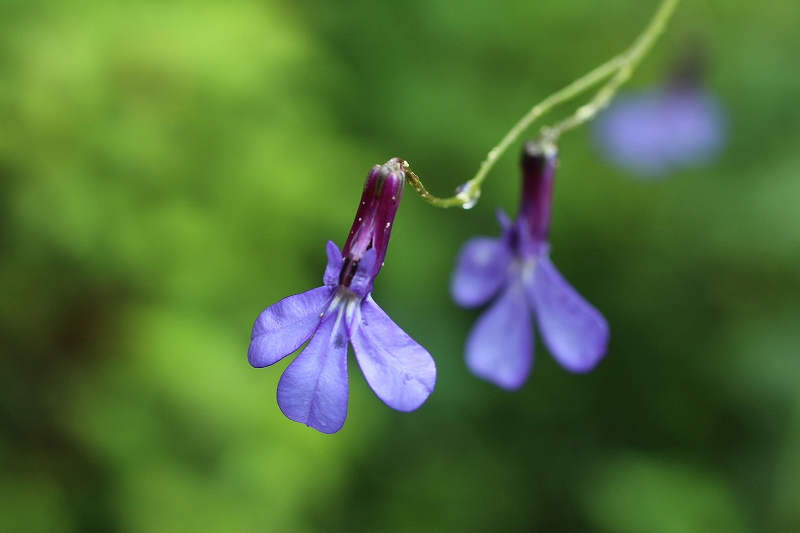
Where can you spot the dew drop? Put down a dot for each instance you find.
(462, 193)
(471, 203)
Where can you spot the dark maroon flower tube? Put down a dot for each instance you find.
(539, 161)
(374, 218)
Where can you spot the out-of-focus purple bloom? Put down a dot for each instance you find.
(659, 131)
(313, 390)
(517, 269)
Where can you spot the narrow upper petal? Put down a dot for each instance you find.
(500, 345)
(363, 278)
(400, 371)
(504, 220)
(572, 329)
(283, 327)
(313, 389)
(481, 270)
(334, 268)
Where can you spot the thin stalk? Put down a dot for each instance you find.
(619, 68)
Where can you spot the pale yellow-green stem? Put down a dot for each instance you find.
(619, 68)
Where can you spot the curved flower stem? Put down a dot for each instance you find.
(631, 60)
(464, 197)
(619, 68)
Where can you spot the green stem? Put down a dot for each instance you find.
(619, 68)
(633, 57)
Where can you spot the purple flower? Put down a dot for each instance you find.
(655, 132)
(313, 390)
(516, 268)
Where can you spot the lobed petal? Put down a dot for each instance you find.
(481, 269)
(313, 389)
(283, 327)
(335, 262)
(400, 371)
(500, 345)
(572, 329)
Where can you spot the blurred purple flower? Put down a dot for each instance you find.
(313, 390)
(659, 131)
(517, 266)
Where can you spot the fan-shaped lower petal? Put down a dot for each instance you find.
(572, 329)
(283, 327)
(481, 269)
(400, 371)
(500, 345)
(313, 389)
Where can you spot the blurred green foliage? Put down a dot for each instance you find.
(168, 169)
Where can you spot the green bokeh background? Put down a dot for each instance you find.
(170, 168)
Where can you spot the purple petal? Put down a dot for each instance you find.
(362, 279)
(313, 389)
(575, 332)
(500, 345)
(656, 131)
(400, 371)
(503, 219)
(481, 270)
(283, 327)
(334, 268)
